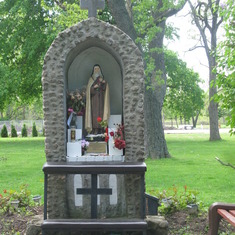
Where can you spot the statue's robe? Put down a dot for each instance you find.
(97, 105)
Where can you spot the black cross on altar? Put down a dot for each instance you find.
(92, 6)
(94, 191)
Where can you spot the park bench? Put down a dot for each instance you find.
(94, 224)
(217, 211)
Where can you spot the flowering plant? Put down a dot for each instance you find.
(106, 135)
(85, 145)
(76, 102)
(118, 137)
(102, 123)
(23, 196)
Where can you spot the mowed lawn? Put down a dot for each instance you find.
(21, 161)
(193, 164)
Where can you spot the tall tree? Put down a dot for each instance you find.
(184, 96)
(27, 29)
(206, 17)
(23, 44)
(145, 23)
(226, 64)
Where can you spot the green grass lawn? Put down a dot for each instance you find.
(21, 161)
(193, 164)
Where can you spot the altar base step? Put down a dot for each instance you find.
(99, 158)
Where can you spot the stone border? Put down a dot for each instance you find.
(63, 50)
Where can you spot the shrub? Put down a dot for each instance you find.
(23, 196)
(13, 131)
(34, 131)
(24, 131)
(173, 199)
(4, 132)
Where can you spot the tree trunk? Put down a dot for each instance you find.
(122, 17)
(213, 106)
(176, 121)
(213, 109)
(194, 120)
(211, 56)
(155, 143)
(163, 120)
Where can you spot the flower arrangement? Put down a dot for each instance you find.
(118, 137)
(76, 102)
(85, 145)
(102, 123)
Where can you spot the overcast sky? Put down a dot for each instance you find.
(195, 59)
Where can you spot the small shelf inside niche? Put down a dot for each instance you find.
(97, 158)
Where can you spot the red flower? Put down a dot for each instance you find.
(111, 133)
(106, 139)
(120, 144)
(1, 196)
(99, 119)
(5, 191)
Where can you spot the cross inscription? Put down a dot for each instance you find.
(92, 6)
(94, 191)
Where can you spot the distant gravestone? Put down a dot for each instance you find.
(92, 6)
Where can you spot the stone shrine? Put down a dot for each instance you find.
(67, 68)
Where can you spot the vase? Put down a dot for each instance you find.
(37, 199)
(15, 203)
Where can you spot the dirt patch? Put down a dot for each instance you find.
(180, 223)
(16, 223)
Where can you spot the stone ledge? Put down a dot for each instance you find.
(34, 226)
(157, 225)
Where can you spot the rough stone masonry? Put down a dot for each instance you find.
(63, 51)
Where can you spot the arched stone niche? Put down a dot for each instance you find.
(67, 65)
(85, 38)
(80, 70)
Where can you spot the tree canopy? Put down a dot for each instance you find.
(145, 23)
(27, 29)
(24, 41)
(184, 97)
(226, 64)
